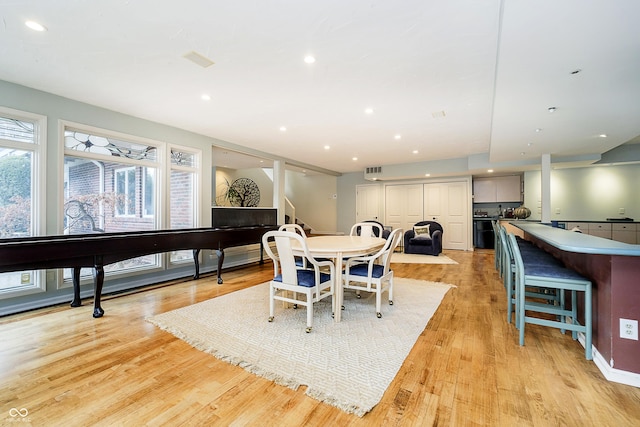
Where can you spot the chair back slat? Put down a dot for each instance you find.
(392, 242)
(372, 229)
(287, 260)
(295, 228)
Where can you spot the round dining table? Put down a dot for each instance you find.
(337, 248)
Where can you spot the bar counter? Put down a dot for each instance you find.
(614, 269)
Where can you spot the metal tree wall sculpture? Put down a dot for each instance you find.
(244, 192)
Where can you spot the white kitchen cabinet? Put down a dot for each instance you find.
(626, 233)
(509, 189)
(620, 232)
(497, 189)
(600, 229)
(582, 226)
(484, 190)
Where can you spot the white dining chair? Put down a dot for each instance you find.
(310, 283)
(372, 229)
(295, 228)
(372, 273)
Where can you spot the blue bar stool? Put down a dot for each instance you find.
(561, 279)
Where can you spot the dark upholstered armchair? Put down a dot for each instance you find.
(424, 243)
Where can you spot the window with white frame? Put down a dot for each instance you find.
(125, 191)
(22, 149)
(106, 188)
(183, 189)
(111, 184)
(149, 193)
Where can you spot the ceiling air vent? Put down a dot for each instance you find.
(198, 59)
(372, 172)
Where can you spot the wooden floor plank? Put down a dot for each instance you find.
(466, 368)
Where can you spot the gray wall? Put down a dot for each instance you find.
(347, 199)
(587, 194)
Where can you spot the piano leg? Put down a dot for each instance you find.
(98, 281)
(196, 262)
(77, 302)
(220, 253)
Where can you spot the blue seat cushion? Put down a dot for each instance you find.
(552, 272)
(542, 259)
(306, 278)
(421, 241)
(363, 270)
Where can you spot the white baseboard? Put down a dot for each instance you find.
(610, 373)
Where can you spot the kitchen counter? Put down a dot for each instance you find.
(616, 220)
(576, 242)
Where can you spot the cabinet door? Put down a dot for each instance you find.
(403, 205)
(625, 233)
(433, 201)
(394, 209)
(457, 216)
(414, 205)
(484, 190)
(508, 189)
(600, 229)
(367, 202)
(447, 203)
(582, 226)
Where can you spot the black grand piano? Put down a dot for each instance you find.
(231, 227)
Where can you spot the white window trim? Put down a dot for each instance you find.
(38, 189)
(125, 170)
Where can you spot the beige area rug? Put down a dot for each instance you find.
(403, 258)
(348, 364)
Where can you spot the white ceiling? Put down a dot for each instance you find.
(454, 78)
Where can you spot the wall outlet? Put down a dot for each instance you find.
(557, 211)
(629, 329)
(621, 211)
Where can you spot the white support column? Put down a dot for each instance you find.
(278, 189)
(545, 188)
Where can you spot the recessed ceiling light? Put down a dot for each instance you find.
(415, 151)
(326, 147)
(538, 130)
(398, 136)
(529, 144)
(369, 110)
(283, 129)
(35, 26)
(552, 109)
(522, 153)
(490, 170)
(354, 158)
(602, 135)
(309, 59)
(205, 97)
(427, 174)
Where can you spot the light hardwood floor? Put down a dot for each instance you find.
(466, 369)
